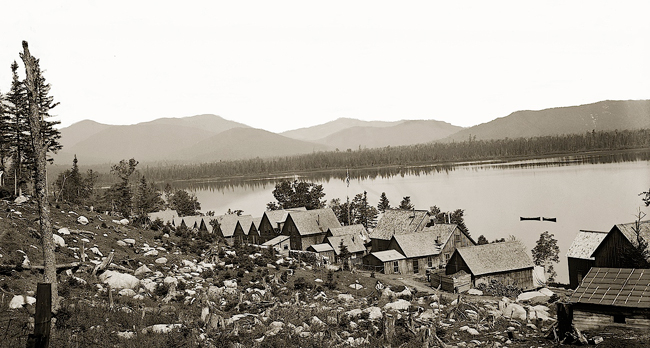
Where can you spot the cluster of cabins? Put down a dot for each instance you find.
(403, 242)
(609, 290)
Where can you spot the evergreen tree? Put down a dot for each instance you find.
(185, 204)
(482, 240)
(294, 194)
(121, 194)
(70, 185)
(46, 103)
(383, 203)
(147, 199)
(406, 204)
(545, 253)
(5, 139)
(344, 254)
(341, 210)
(17, 117)
(365, 214)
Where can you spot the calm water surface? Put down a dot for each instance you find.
(582, 195)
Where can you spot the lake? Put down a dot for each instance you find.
(583, 192)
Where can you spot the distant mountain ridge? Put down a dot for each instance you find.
(208, 138)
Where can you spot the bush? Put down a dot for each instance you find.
(161, 290)
(299, 284)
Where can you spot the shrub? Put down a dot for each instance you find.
(299, 283)
(161, 290)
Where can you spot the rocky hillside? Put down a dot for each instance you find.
(202, 294)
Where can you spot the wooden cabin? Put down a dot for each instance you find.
(386, 261)
(579, 255)
(508, 263)
(398, 221)
(166, 216)
(430, 248)
(228, 225)
(279, 243)
(272, 222)
(323, 250)
(354, 244)
(618, 242)
(253, 231)
(309, 227)
(618, 297)
(242, 230)
(357, 230)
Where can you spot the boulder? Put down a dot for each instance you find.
(356, 286)
(21, 199)
(124, 222)
(20, 300)
(399, 305)
(129, 241)
(514, 311)
(83, 220)
(345, 297)
(169, 281)
(26, 263)
(315, 321)
(151, 253)
(476, 292)
(161, 260)
(119, 280)
(546, 292)
(127, 292)
(230, 284)
(274, 328)
(58, 240)
(64, 231)
(121, 243)
(374, 313)
(96, 251)
(161, 328)
(142, 270)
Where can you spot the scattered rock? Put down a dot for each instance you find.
(170, 281)
(356, 286)
(399, 305)
(345, 297)
(129, 241)
(153, 252)
(161, 260)
(19, 301)
(142, 270)
(82, 220)
(124, 222)
(161, 328)
(230, 284)
(21, 199)
(476, 292)
(127, 292)
(119, 280)
(126, 334)
(58, 240)
(121, 243)
(64, 231)
(274, 328)
(96, 251)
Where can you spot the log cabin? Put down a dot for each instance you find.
(272, 222)
(579, 255)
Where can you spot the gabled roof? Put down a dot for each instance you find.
(245, 221)
(320, 248)
(257, 221)
(280, 216)
(495, 257)
(622, 287)
(191, 220)
(166, 215)
(430, 241)
(177, 221)
(630, 234)
(228, 223)
(277, 240)
(314, 221)
(388, 255)
(584, 244)
(356, 230)
(354, 243)
(397, 221)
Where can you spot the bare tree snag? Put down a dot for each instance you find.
(40, 152)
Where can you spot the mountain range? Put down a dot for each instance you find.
(209, 138)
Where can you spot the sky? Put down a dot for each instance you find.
(282, 65)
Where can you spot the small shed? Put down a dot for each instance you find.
(579, 255)
(324, 250)
(354, 243)
(279, 243)
(386, 261)
(458, 282)
(507, 262)
(612, 297)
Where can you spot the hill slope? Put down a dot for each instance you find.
(404, 133)
(326, 129)
(241, 143)
(605, 115)
(80, 131)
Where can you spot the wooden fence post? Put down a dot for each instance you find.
(41, 336)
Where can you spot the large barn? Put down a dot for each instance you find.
(508, 263)
(612, 297)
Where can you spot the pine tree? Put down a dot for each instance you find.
(45, 104)
(383, 203)
(545, 253)
(365, 214)
(19, 129)
(120, 194)
(147, 199)
(406, 204)
(5, 139)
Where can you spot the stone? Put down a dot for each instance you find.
(26, 263)
(374, 313)
(142, 270)
(19, 301)
(119, 280)
(127, 292)
(318, 280)
(345, 297)
(274, 328)
(64, 231)
(170, 281)
(121, 243)
(96, 251)
(126, 334)
(129, 241)
(476, 292)
(399, 305)
(21, 199)
(596, 340)
(514, 311)
(124, 222)
(356, 286)
(58, 240)
(546, 292)
(472, 331)
(161, 328)
(161, 260)
(83, 220)
(230, 284)
(151, 253)
(316, 321)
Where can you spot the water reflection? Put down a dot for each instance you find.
(221, 184)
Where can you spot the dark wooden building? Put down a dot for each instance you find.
(618, 297)
(579, 255)
(272, 222)
(618, 242)
(508, 263)
(309, 227)
(386, 261)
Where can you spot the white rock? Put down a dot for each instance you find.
(346, 297)
(546, 292)
(399, 305)
(126, 334)
(472, 331)
(274, 328)
(354, 313)
(64, 231)
(529, 295)
(373, 313)
(86, 240)
(58, 240)
(127, 292)
(476, 292)
(82, 220)
(21, 199)
(121, 243)
(151, 253)
(142, 270)
(119, 280)
(428, 315)
(129, 241)
(26, 263)
(161, 328)
(149, 284)
(124, 221)
(316, 321)
(230, 284)
(318, 280)
(170, 281)
(96, 251)
(515, 311)
(161, 260)
(356, 286)
(20, 300)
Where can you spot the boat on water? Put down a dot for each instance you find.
(521, 218)
(549, 219)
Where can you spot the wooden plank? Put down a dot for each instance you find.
(41, 336)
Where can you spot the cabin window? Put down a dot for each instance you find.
(416, 267)
(619, 318)
(395, 267)
(457, 238)
(430, 262)
(447, 256)
(286, 247)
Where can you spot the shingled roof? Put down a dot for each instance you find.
(320, 248)
(388, 255)
(353, 242)
(630, 234)
(190, 221)
(228, 223)
(245, 221)
(276, 216)
(166, 215)
(398, 221)
(584, 244)
(622, 287)
(355, 230)
(277, 240)
(429, 241)
(495, 257)
(314, 221)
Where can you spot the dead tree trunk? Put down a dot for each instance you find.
(40, 152)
